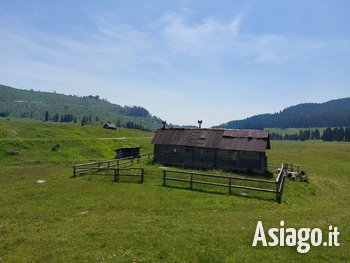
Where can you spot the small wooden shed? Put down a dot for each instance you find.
(234, 150)
(109, 126)
(127, 152)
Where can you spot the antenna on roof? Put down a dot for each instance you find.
(200, 123)
(164, 123)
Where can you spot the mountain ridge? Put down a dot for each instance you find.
(332, 113)
(52, 106)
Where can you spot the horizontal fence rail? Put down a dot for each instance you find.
(231, 181)
(122, 172)
(290, 167)
(104, 165)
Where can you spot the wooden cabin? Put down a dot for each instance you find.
(109, 126)
(223, 149)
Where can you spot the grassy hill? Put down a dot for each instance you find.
(34, 142)
(92, 219)
(334, 113)
(70, 108)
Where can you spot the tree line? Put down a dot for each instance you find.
(328, 134)
(17, 103)
(88, 119)
(57, 118)
(4, 114)
(334, 113)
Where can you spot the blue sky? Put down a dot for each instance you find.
(182, 60)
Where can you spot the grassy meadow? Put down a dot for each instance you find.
(92, 219)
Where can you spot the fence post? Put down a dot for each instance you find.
(229, 186)
(191, 181)
(277, 190)
(164, 177)
(142, 174)
(281, 186)
(280, 182)
(74, 172)
(116, 175)
(108, 164)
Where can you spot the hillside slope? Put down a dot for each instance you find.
(36, 142)
(334, 113)
(55, 107)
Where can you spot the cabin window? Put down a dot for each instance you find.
(174, 150)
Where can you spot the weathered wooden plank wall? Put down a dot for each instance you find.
(204, 158)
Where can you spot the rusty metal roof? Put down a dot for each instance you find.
(241, 140)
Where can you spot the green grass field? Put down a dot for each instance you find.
(92, 219)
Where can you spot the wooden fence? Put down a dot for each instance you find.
(231, 182)
(290, 167)
(122, 172)
(98, 166)
(280, 183)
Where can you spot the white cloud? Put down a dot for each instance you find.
(266, 48)
(208, 36)
(175, 34)
(175, 61)
(212, 37)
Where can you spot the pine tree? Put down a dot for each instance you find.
(347, 134)
(46, 118)
(316, 134)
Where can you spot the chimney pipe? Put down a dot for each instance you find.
(164, 122)
(200, 123)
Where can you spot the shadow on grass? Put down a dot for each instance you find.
(242, 194)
